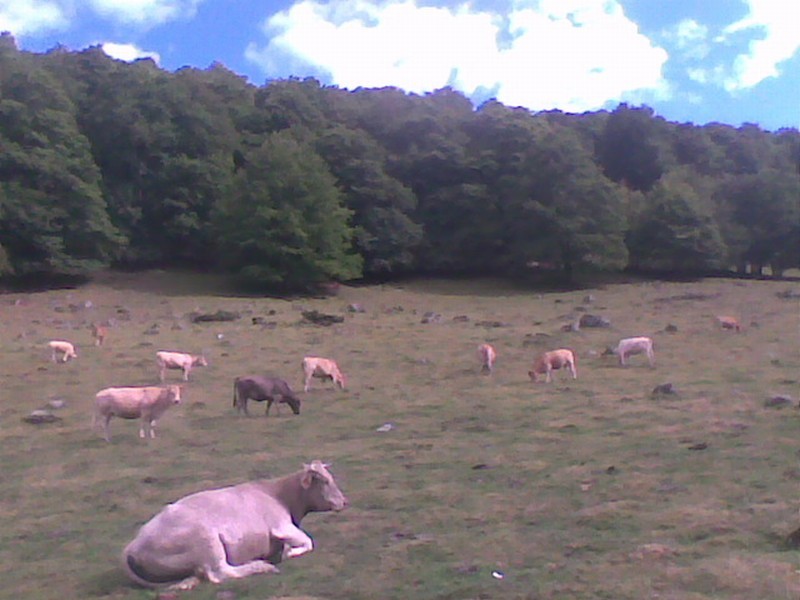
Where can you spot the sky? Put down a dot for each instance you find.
(695, 61)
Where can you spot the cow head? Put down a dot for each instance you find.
(532, 375)
(199, 361)
(174, 393)
(341, 380)
(323, 493)
(293, 402)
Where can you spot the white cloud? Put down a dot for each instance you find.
(128, 52)
(145, 12)
(691, 38)
(570, 54)
(776, 22)
(22, 17)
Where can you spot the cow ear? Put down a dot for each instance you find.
(306, 480)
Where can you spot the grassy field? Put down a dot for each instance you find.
(578, 489)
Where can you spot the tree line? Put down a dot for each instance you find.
(293, 183)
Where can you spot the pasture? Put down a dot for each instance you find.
(461, 485)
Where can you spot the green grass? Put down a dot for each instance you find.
(578, 489)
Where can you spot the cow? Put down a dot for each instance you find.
(260, 388)
(146, 403)
(553, 360)
(726, 322)
(66, 349)
(99, 333)
(321, 368)
(231, 532)
(487, 355)
(178, 360)
(635, 345)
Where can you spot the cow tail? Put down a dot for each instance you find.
(236, 393)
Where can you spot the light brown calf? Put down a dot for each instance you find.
(726, 322)
(487, 355)
(321, 368)
(99, 333)
(548, 362)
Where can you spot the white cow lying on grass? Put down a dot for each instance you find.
(231, 532)
(178, 360)
(145, 403)
(321, 368)
(63, 347)
(635, 345)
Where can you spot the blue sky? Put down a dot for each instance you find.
(699, 61)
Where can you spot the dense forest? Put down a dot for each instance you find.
(290, 184)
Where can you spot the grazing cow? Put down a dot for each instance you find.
(99, 333)
(635, 345)
(487, 356)
(231, 532)
(553, 360)
(66, 349)
(726, 322)
(178, 360)
(145, 403)
(321, 368)
(260, 388)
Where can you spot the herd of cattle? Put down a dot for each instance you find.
(247, 529)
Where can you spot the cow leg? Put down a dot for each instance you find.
(573, 371)
(161, 373)
(270, 400)
(153, 429)
(295, 541)
(106, 433)
(186, 374)
(307, 383)
(219, 569)
(548, 374)
(651, 358)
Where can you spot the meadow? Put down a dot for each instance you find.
(461, 485)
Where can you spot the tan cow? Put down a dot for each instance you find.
(321, 368)
(231, 532)
(635, 345)
(145, 403)
(487, 355)
(178, 360)
(99, 333)
(727, 322)
(66, 349)
(551, 361)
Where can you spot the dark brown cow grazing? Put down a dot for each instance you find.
(231, 532)
(261, 388)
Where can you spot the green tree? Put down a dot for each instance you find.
(676, 231)
(283, 225)
(630, 148)
(385, 234)
(54, 219)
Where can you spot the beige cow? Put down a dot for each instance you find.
(66, 349)
(635, 345)
(231, 532)
(145, 403)
(548, 362)
(321, 368)
(178, 360)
